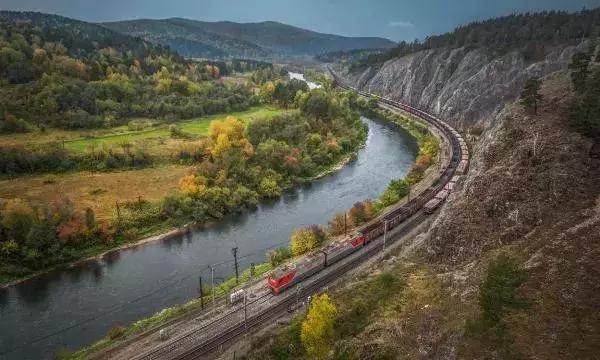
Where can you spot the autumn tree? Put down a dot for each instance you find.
(337, 225)
(17, 218)
(317, 329)
(530, 96)
(361, 212)
(307, 239)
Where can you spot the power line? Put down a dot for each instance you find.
(119, 307)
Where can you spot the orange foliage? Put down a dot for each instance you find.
(192, 184)
(71, 230)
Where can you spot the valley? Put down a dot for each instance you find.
(177, 187)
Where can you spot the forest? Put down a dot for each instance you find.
(528, 33)
(50, 78)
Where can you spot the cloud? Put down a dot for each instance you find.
(401, 24)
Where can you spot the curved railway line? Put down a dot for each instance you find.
(264, 306)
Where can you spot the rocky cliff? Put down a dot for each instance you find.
(462, 85)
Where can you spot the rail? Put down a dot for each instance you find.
(205, 338)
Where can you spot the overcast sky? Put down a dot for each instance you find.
(394, 19)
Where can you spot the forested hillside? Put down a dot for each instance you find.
(530, 33)
(59, 72)
(223, 39)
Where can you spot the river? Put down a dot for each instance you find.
(299, 76)
(74, 307)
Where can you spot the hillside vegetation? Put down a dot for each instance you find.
(531, 33)
(224, 39)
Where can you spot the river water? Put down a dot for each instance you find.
(74, 307)
(299, 76)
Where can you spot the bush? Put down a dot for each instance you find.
(498, 293)
(10, 124)
(318, 328)
(278, 256)
(361, 212)
(337, 225)
(302, 241)
(116, 332)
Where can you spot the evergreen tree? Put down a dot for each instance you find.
(579, 70)
(530, 96)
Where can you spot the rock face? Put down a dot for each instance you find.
(461, 85)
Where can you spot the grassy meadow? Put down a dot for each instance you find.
(82, 140)
(100, 190)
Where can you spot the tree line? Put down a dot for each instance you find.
(531, 33)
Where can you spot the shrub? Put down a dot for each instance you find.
(116, 332)
(278, 256)
(338, 224)
(317, 329)
(302, 241)
(498, 293)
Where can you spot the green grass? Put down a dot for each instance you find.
(197, 126)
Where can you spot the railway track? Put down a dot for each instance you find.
(261, 318)
(221, 331)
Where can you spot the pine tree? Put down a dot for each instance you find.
(530, 96)
(579, 70)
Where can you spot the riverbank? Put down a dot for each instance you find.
(162, 232)
(168, 316)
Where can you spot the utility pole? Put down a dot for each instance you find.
(384, 233)
(245, 315)
(212, 282)
(234, 252)
(201, 292)
(345, 227)
(297, 296)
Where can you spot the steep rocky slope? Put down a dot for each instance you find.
(464, 85)
(532, 195)
(533, 191)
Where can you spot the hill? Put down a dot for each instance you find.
(530, 33)
(193, 38)
(65, 73)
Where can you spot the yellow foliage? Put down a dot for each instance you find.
(317, 329)
(302, 241)
(70, 67)
(227, 134)
(192, 184)
(267, 90)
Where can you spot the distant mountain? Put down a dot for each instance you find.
(251, 40)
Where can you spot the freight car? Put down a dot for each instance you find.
(429, 200)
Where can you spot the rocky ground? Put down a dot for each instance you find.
(532, 194)
(463, 85)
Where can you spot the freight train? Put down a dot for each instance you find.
(428, 201)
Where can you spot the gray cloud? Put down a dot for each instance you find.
(401, 24)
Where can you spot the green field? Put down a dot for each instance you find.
(196, 127)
